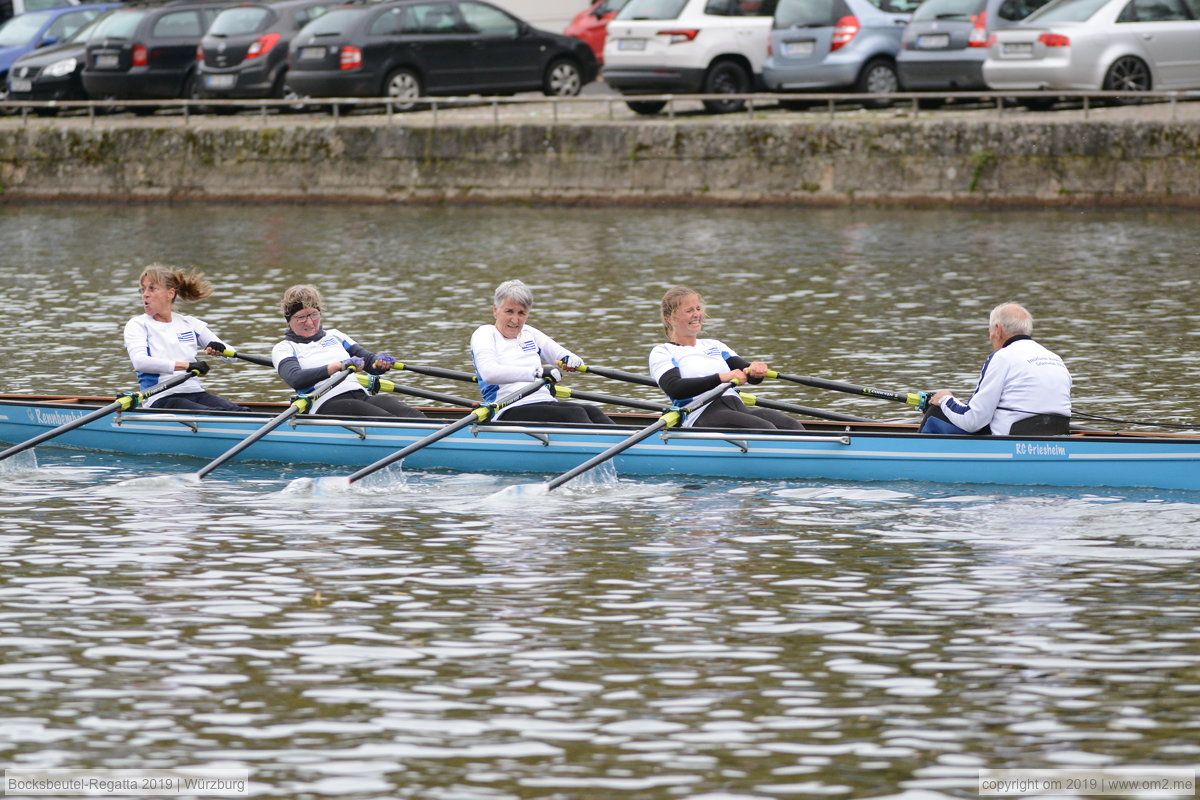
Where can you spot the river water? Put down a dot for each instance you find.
(635, 638)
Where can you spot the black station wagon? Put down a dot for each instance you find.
(414, 48)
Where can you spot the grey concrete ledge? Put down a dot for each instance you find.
(933, 161)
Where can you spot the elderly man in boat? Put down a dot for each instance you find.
(1024, 389)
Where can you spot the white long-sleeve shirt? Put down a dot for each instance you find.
(333, 346)
(706, 357)
(154, 347)
(1019, 380)
(504, 365)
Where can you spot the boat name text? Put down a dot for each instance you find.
(52, 417)
(1040, 449)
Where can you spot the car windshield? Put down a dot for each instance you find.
(1067, 11)
(948, 9)
(807, 13)
(333, 23)
(242, 21)
(652, 9)
(121, 25)
(21, 29)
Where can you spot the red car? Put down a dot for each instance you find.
(591, 24)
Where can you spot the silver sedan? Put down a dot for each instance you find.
(1123, 45)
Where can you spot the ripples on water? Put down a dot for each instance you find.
(644, 639)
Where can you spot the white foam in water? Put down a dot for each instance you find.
(25, 461)
(150, 484)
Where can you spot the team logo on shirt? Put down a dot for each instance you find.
(329, 341)
(188, 337)
(528, 346)
(713, 351)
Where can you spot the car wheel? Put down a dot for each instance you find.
(726, 77)
(563, 79)
(646, 107)
(878, 77)
(403, 86)
(283, 91)
(1127, 74)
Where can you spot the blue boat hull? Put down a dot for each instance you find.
(835, 452)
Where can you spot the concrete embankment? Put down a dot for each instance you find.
(872, 159)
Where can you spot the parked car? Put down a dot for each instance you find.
(836, 45)
(413, 48)
(53, 73)
(36, 29)
(689, 46)
(946, 41)
(147, 51)
(1128, 45)
(591, 24)
(244, 53)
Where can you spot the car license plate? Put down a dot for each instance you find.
(107, 60)
(312, 52)
(933, 41)
(631, 44)
(1018, 48)
(20, 85)
(220, 81)
(804, 48)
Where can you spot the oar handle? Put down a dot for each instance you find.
(262, 361)
(918, 399)
(436, 372)
(374, 383)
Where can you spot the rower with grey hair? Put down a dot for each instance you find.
(509, 354)
(1024, 389)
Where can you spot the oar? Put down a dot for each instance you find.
(482, 413)
(747, 398)
(754, 400)
(262, 361)
(436, 372)
(918, 399)
(300, 404)
(667, 420)
(126, 402)
(374, 383)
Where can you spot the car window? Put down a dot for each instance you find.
(242, 21)
(1153, 11)
(652, 9)
(303, 16)
(86, 31)
(1017, 10)
(334, 23)
(1067, 11)
(896, 6)
(948, 9)
(809, 13)
(42, 5)
(488, 21)
(433, 18)
(65, 26)
(609, 7)
(178, 25)
(21, 29)
(390, 22)
(740, 8)
(121, 25)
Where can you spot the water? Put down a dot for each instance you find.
(677, 638)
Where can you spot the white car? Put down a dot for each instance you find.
(687, 46)
(1124, 45)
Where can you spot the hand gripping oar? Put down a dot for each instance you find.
(482, 413)
(918, 399)
(126, 402)
(300, 404)
(667, 420)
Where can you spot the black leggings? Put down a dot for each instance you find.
(554, 411)
(730, 412)
(361, 404)
(197, 401)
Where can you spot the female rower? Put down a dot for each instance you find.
(161, 341)
(687, 365)
(510, 353)
(309, 354)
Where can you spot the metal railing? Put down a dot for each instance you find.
(430, 110)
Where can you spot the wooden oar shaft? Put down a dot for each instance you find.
(123, 403)
(917, 399)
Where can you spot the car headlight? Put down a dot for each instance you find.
(60, 68)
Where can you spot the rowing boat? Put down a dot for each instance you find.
(826, 450)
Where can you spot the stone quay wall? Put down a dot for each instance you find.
(928, 161)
